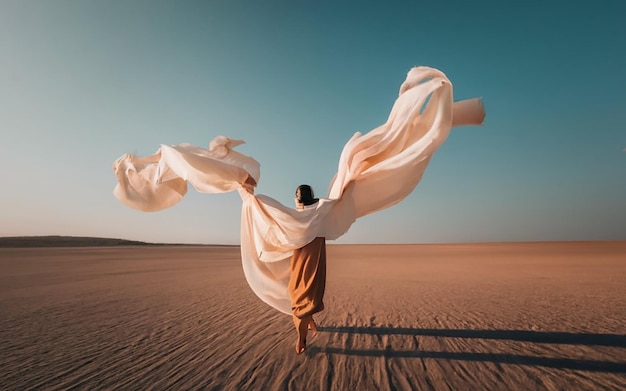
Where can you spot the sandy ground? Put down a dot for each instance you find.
(548, 316)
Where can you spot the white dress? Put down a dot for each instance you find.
(375, 171)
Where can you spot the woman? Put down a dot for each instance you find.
(307, 277)
(307, 280)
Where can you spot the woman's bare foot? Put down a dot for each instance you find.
(312, 326)
(301, 329)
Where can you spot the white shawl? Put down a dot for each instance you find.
(376, 170)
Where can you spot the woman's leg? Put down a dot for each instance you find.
(301, 330)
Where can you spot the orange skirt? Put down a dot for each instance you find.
(307, 281)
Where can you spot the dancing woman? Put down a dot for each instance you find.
(307, 279)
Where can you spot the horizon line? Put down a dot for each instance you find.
(120, 241)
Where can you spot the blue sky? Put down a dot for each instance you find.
(83, 82)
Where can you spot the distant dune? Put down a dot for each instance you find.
(65, 241)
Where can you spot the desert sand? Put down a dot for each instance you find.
(517, 316)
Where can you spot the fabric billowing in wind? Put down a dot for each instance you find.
(376, 170)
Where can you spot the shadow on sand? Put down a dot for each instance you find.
(613, 340)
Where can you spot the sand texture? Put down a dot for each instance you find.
(534, 316)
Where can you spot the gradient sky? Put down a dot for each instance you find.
(83, 82)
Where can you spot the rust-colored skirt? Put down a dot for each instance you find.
(307, 281)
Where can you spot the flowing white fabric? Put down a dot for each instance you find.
(375, 171)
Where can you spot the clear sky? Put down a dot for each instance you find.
(83, 82)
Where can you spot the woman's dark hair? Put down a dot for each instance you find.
(306, 195)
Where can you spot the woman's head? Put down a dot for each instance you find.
(305, 196)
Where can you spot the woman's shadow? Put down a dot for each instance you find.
(542, 337)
